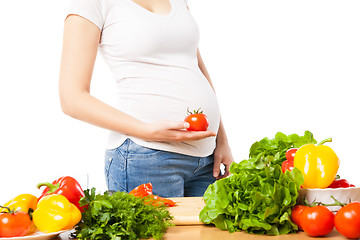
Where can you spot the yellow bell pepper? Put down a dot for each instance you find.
(318, 164)
(55, 213)
(23, 202)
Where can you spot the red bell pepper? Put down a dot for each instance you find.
(142, 190)
(156, 200)
(145, 191)
(288, 164)
(340, 183)
(66, 186)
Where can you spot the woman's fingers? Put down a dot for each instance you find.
(175, 125)
(199, 135)
(183, 135)
(176, 131)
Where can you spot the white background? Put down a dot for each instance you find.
(286, 66)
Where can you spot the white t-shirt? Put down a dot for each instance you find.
(153, 58)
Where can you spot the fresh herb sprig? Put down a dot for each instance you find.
(120, 216)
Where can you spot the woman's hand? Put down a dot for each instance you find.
(222, 155)
(171, 131)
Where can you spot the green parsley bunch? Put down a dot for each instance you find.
(120, 216)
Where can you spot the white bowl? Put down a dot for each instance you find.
(323, 195)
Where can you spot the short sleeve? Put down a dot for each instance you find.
(89, 9)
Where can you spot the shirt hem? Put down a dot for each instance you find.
(162, 146)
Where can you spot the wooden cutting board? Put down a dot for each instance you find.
(186, 211)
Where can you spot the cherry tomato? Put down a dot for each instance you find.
(290, 154)
(197, 120)
(14, 224)
(347, 220)
(340, 183)
(296, 213)
(317, 221)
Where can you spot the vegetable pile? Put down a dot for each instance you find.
(53, 211)
(63, 205)
(259, 195)
(121, 216)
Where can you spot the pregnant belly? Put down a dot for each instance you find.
(166, 95)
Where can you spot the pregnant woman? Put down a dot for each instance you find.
(151, 48)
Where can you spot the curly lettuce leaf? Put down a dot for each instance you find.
(253, 199)
(272, 151)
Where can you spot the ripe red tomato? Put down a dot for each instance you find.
(290, 154)
(347, 220)
(14, 224)
(296, 213)
(317, 221)
(197, 120)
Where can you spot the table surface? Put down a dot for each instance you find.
(207, 232)
(188, 226)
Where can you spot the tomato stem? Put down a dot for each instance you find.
(313, 204)
(9, 209)
(336, 203)
(195, 111)
(188, 111)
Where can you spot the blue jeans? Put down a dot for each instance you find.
(171, 174)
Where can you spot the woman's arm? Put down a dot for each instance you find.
(222, 153)
(80, 43)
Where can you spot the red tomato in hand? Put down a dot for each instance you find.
(296, 213)
(317, 221)
(347, 220)
(197, 120)
(14, 224)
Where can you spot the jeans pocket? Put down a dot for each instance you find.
(115, 168)
(119, 155)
